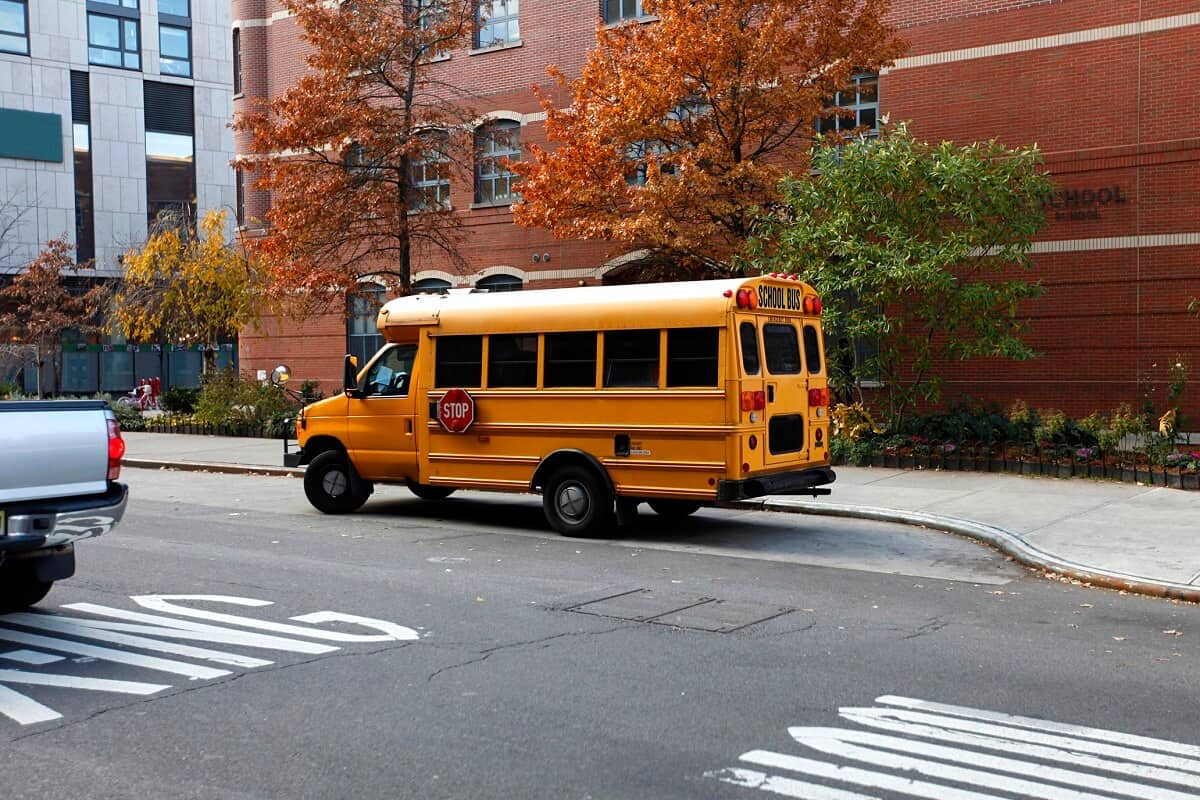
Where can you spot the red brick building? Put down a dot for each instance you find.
(1106, 88)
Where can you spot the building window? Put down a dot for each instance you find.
(496, 23)
(431, 286)
(174, 51)
(173, 8)
(857, 107)
(429, 175)
(617, 10)
(363, 337)
(114, 42)
(239, 209)
(14, 27)
(495, 143)
(170, 150)
(499, 283)
(81, 119)
(237, 61)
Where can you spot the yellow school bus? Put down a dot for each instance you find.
(598, 398)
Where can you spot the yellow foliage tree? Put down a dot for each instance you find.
(189, 286)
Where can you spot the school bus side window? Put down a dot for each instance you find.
(748, 332)
(812, 349)
(459, 361)
(631, 358)
(692, 356)
(512, 360)
(570, 360)
(389, 375)
(783, 348)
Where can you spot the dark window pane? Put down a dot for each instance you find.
(749, 336)
(812, 349)
(783, 349)
(512, 360)
(459, 361)
(570, 359)
(692, 356)
(785, 433)
(631, 358)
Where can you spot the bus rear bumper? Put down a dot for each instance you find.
(806, 481)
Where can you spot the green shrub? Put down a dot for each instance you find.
(179, 400)
(128, 417)
(226, 398)
(310, 392)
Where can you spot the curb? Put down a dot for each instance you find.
(1005, 541)
(213, 466)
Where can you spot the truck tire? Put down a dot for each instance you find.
(576, 502)
(20, 588)
(427, 492)
(674, 509)
(331, 485)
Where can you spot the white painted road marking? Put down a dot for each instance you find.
(906, 761)
(132, 631)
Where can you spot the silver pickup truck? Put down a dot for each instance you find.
(59, 465)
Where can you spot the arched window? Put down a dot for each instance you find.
(430, 286)
(500, 283)
(494, 143)
(363, 337)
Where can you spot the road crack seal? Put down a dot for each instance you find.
(543, 642)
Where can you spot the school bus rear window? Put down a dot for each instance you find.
(783, 349)
(512, 360)
(748, 332)
(812, 349)
(631, 358)
(692, 356)
(570, 360)
(459, 361)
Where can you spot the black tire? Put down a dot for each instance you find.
(577, 503)
(674, 509)
(20, 589)
(427, 492)
(332, 486)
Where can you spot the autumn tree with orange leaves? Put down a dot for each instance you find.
(680, 129)
(339, 152)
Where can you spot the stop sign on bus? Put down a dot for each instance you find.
(456, 410)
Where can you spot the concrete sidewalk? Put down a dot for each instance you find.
(1124, 536)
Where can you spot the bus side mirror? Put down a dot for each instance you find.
(350, 376)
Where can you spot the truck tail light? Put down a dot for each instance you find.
(747, 299)
(754, 401)
(818, 397)
(116, 450)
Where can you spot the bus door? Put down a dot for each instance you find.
(383, 442)
(786, 391)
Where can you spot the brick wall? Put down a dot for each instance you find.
(1110, 108)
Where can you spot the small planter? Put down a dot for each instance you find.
(1189, 480)
(1173, 479)
(1064, 470)
(907, 462)
(877, 461)
(1128, 474)
(995, 465)
(1031, 468)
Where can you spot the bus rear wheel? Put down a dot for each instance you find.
(331, 485)
(577, 503)
(674, 509)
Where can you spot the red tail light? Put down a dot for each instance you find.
(747, 298)
(760, 401)
(116, 450)
(811, 304)
(818, 397)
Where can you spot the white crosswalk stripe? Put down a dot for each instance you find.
(923, 749)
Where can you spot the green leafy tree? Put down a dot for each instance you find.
(918, 247)
(188, 286)
(42, 302)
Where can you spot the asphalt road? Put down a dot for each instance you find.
(228, 641)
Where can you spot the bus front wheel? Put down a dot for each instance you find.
(577, 503)
(331, 485)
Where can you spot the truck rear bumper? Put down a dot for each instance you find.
(53, 523)
(805, 481)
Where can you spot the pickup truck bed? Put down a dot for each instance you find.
(59, 461)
